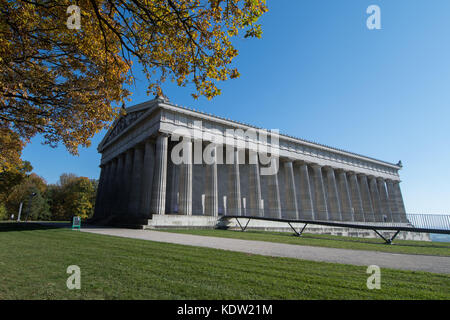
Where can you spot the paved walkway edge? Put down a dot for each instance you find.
(436, 264)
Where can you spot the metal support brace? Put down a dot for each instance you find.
(243, 228)
(298, 234)
(388, 241)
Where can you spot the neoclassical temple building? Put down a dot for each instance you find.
(143, 182)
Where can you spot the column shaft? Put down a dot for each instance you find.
(376, 200)
(358, 210)
(134, 206)
(99, 206)
(385, 207)
(211, 188)
(291, 192)
(320, 197)
(127, 178)
(118, 185)
(367, 200)
(345, 196)
(334, 205)
(393, 201)
(274, 193)
(158, 202)
(172, 187)
(254, 181)
(185, 203)
(147, 178)
(234, 207)
(306, 200)
(110, 187)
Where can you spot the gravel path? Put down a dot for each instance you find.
(435, 264)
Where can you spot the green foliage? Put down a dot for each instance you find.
(35, 207)
(67, 84)
(12, 177)
(3, 212)
(72, 196)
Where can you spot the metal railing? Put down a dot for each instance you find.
(422, 223)
(429, 221)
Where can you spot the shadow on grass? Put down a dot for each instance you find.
(28, 226)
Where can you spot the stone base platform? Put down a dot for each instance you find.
(208, 222)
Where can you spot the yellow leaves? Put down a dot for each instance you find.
(62, 83)
(234, 74)
(10, 149)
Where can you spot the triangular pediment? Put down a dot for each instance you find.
(123, 122)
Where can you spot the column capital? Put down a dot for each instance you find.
(286, 159)
(300, 162)
(362, 175)
(316, 166)
(163, 134)
(340, 170)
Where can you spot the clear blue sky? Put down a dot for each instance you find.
(318, 73)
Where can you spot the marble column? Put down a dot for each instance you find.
(127, 178)
(185, 203)
(367, 200)
(147, 178)
(290, 191)
(400, 204)
(385, 207)
(393, 201)
(134, 203)
(172, 187)
(334, 204)
(358, 210)
(118, 185)
(320, 197)
(376, 199)
(99, 206)
(211, 187)
(306, 200)
(345, 197)
(254, 182)
(274, 193)
(158, 202)
(110, 187)
(234, 206)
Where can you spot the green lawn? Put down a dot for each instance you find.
(34, 259)
(399, 246)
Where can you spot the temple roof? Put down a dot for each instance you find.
(134, 112)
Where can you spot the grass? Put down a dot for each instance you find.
(399, 246)
(34, 259)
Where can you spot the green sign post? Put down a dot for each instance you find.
(76, 223)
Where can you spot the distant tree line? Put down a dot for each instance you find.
(71, 195)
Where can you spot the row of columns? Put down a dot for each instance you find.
(137, 183)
